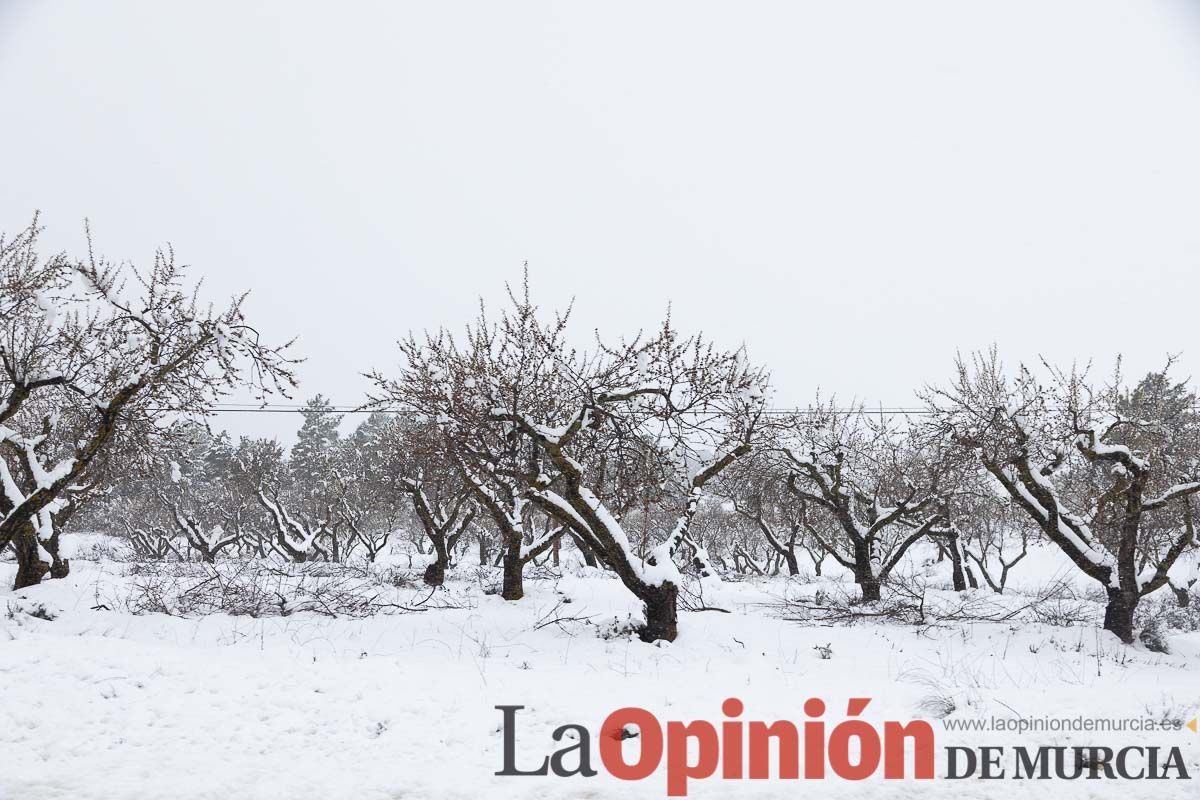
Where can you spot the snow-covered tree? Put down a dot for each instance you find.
(296, 534)
(315, 458)
(531, 418)
(872, 482)
(88, 345)
(757, 489)
(373, 503)
(205, 507)
(993, 535)
(442, 499)
(1108, 474)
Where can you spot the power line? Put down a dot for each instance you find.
(280, 408)
(293, 408)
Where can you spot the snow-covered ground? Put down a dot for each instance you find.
(102, 703)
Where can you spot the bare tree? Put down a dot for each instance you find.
(442, 499)
(153, 542)
(297, 535)
(991, 534)
(99, 343)
(527, 411)
(1090, 464)
(373, 503)
(513, 517)
(208, 540)
(253, 465)
(869, 478)
(758, 489)
(44, 533)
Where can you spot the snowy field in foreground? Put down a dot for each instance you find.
(110, 704)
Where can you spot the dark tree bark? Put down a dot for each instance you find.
(868, 585)
(1118, 614)
(60, 567)
(443, 548)
(335, 545)
(589, 555)
(948, 545)
(662, 619)
(435, 573)
(970, 573)
(869, 575)
(513, 587)
(30, 566)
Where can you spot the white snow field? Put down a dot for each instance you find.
(99, 702)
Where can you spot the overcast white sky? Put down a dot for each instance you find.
(854, 189)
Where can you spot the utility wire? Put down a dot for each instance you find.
(290, 408)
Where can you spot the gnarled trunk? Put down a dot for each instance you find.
(662, 616)
(1118, 614)
(435, 573)
(513, 587)
(59, 567)
(30, 566)
(956, 564)
(864, 572)
(870, 589)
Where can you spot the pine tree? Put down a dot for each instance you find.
(314, 457)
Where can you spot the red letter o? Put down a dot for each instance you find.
(612, 733)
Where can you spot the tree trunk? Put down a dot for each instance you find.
(1118, 615)
(661, 613)
(589, 557)
(513, 587)
(793, 566)
(974, 584)
(30, 567)
(435, 573)
(864, 575)
(483, 552)
(870, 589)
(59, 567)
(956, 565)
